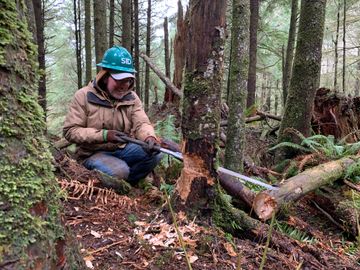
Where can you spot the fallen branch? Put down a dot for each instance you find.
(258, 117)
(106, 247)
(351, 185)
(267, 202)
(162, 76)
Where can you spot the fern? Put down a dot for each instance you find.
(291, 145)
(293, 233)
(353, 172)
(166, 129)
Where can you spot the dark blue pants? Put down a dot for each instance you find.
(131, 163)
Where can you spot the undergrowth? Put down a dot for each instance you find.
(293, 233)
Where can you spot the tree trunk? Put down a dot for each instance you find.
(290, 49)
(179, 51)
(77, 43)
(357, 80)
(254, 21)
(100, 30)
(268, 97)
(267, 202)
(40, 38)
(336, 41)
(148, 51)
(30, 225)
(306, 73)
(136, 49)
(126, 24)
(88, 42)
(168, 97)
(202, 102)
(344, 49)
(234, 151)
(111, 22)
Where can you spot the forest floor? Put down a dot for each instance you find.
(136, 231)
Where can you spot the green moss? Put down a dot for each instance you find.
(200, 113)
(29, 194)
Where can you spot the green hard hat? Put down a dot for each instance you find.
(117, 58)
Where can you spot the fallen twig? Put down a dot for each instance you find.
(106, 247)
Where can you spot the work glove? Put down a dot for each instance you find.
(152, 147)
(114, 136)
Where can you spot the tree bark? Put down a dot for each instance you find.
(162, 76)
(77, 43)
(290, 49)
(306, 73)
(254, 22)
(148, 51)
(336, 41)
(344, 50)
(126, 24)
(111, 22)
(234, 150)
(357, 80)
(40, 38)
(168, 97)
(100, 30)
(88, 42)
(179, 51)
(30, 209)
(202, 102)
(267, 202)
(136, 49)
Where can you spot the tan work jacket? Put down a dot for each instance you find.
(91, 112)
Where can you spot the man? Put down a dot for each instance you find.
(102, 112)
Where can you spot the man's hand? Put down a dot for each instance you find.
(115, 136)
(152, 145)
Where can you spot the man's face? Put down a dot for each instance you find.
(117, 88)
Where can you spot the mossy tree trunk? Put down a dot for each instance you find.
(306, 70)
(31, 236)
(111, 22)
(238, 85)
(202, 98)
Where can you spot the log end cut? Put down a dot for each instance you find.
(264, 205)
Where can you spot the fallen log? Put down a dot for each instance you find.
(258, 117)
(267, 202)
(162, 76)
(236, 189)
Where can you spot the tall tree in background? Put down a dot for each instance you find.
(111, 22)
(179, 49)
(136, 48)
(306, 73)
(88, 41)
(357, 80)
(77, 8)
(148, 51)
(238, 76)
(100, 30)
(254, 22)
(344, 48)
(336, 42)
(290, 49)
(126, 24)
(202, 99)
(40, 40)
(31, 232)
(168, 93)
